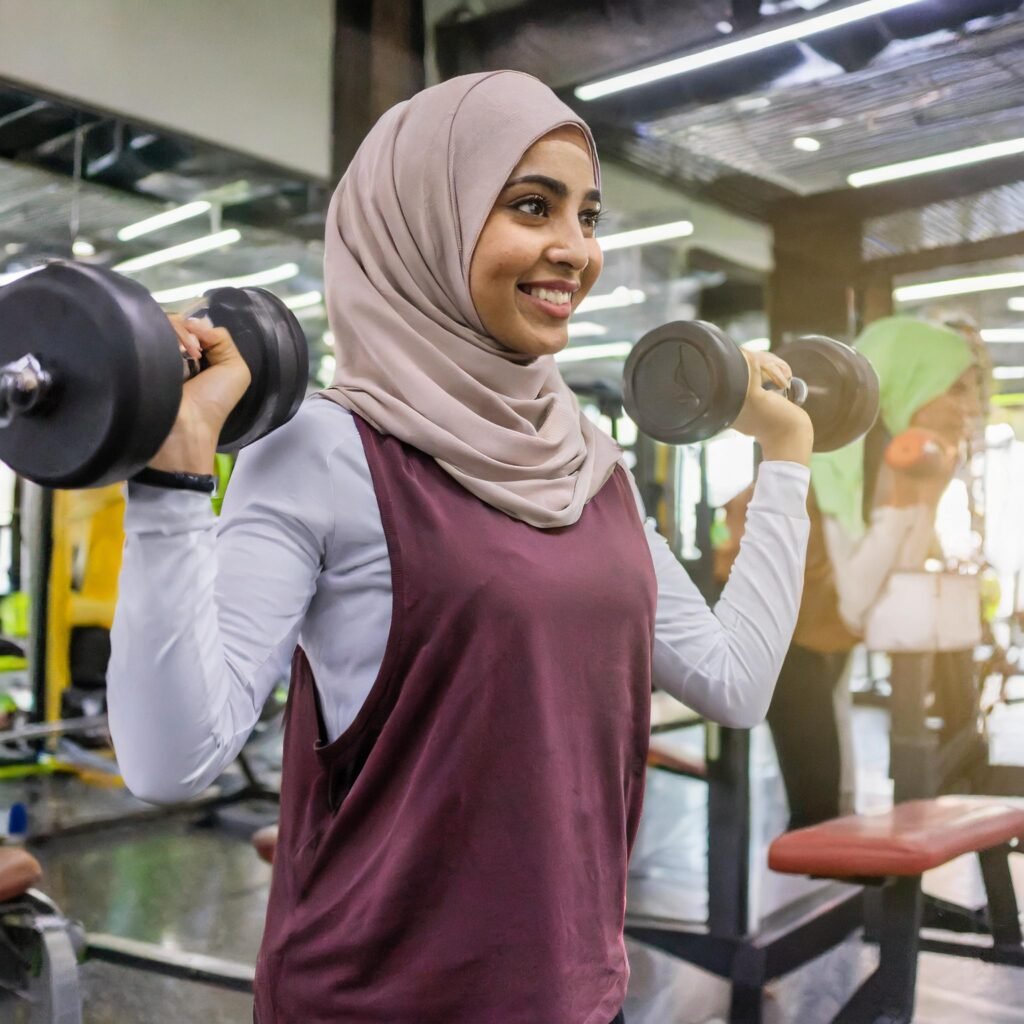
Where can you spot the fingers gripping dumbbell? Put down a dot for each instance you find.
(91, 373)
(687, 381)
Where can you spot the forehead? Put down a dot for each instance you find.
(563, 154)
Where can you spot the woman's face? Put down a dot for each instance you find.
(953, 413)
(537, 256)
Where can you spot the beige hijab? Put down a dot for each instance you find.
(413, 358)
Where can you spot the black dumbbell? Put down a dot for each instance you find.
(687, 381)
(91, 372)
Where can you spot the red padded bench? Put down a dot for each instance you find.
(678, 762)
(893, 850)
(19, 871)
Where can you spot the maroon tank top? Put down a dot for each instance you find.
(458, 855)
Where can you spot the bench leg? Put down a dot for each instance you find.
(887, 997)
(1003, 915)
(745, 1004)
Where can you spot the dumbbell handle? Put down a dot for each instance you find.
(24, 384)
(797, 391)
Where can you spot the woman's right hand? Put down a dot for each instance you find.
(207, 399)
(782, 428)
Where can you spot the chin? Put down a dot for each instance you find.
(549, 344)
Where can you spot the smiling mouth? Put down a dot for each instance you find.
(554, 303)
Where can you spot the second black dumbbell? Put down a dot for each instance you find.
(687, 381)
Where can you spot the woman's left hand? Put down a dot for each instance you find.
(782, 428)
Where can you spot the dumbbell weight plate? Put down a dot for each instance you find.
(684, 382)
(842, 399)
(293, 354)
(117, 371)
(271, 342)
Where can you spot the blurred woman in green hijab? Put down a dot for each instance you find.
(867, 520)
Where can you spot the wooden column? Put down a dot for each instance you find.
(817, 259)
(378, 61)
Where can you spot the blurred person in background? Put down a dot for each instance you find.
(872, 510)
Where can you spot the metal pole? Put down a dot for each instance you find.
(40, 563)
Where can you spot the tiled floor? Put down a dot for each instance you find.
(202, 889)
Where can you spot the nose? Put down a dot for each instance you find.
(568, 245)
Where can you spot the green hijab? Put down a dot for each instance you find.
(916, 362)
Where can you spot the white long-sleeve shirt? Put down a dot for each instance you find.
(897, 538)
(210, 611)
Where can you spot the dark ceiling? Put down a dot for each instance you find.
(935, 76)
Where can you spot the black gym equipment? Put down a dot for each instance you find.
(41, 950)
(687, 381)
(91, 373)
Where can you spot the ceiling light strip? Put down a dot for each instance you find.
(14, 275)
(645, 236)
(274, 275)
(586, 329)
(617, 299)
(958, 286)
(303, 301)
(579, 353)
(739, 47)
(163, 220)
(180, 252)
(1003, 335)
(939, 162)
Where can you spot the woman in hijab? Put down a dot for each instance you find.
(929, 380)
(455, 562)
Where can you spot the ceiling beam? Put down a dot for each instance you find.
(1004, 247)
(905, 194)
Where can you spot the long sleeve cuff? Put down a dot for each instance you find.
(166, 511)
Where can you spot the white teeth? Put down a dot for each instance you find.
(558, 298)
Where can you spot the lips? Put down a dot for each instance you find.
(554, 299)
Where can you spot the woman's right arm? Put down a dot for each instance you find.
(898, 537)
(209, 612)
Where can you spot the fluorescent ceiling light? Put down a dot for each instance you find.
(163, 220)
(317, 312)
(584, 329)
(1008, 373)
(1003, 335)
(325, 370)
(806, 144)
(13, 275)
(303, 301)
(275, 275)
(958, 286)
(83, 247)
(617, 299)
(740, 47)
(645, 236)
(757, 344)
(939, 162)
(1016, 304)
(180, 252)
(327, 337)
(579, 353)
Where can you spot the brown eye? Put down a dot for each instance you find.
(535, 206)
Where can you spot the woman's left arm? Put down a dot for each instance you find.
(724, 662)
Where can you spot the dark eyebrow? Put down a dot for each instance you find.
(552, 185)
